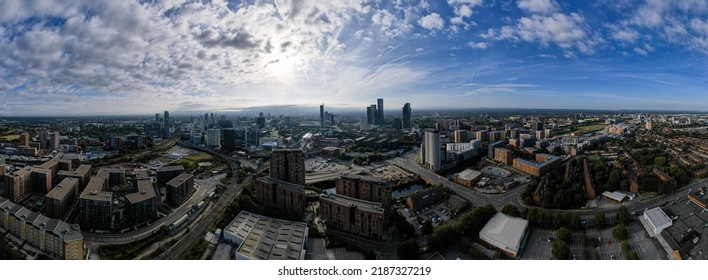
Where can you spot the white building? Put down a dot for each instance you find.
(656, 220)
(213, 137)
(463, 151)
(506, 233)
(431, 150)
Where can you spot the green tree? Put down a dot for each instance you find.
(511, 210)
(408, 250)
(623, 215)
(632, 256)
(620, 232)
(563, 234)
(599, 220)
(625, 248)
(560, 250)
(660, 161)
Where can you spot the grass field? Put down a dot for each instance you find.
(199, 157)
(588, 128)
(10, 137)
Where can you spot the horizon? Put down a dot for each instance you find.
(131, 58)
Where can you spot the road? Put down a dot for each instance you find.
(179, 249)
(512, 197)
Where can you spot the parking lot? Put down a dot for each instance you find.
(437, 214)
(593, 244)
(318, 165)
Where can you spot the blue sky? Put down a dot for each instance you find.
(126, 57)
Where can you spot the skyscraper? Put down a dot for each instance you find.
(431, 149)
(288, 165)
(157, 117)
(213, 138)
(167, 118)
(407, 115)
(229, 136)
(380, 112)
(371, 114)
(322, 116)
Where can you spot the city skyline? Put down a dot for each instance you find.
(101, 57)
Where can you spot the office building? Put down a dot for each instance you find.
(322, 115)
(166, 173)
(380, 112)
(406, 122)
(114, 142)
(95, 204)
(506, 233)
(258, 237)
(55, 140)
(364, 187)
(288, 165)
(179, 188)
(285, 197)
(431, 150)
(141, 206)
(356, 216)
(52, 237)
(543, 164)
(371, 114)
(17, 184)
(537, 126)
(59, 200)
(157, 117)
(137, 140)
(213, 137)
(504, 156)
(167, 118)
(494, 136)
(229, 140)
(540, 134)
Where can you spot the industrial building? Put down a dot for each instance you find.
(263, 238)
(505, 233)
(467, 178)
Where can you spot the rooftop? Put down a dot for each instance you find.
(549, 159)
(82, 170)
(365, 178)
(469, 174)
(94, 188)
(504, 231)
(145, 191)
(60, 191)
(179, 179)
(657, 216)
(348, 201)
(266, 238)
(288, 185)
(171, 168)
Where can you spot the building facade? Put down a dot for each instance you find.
(288, 165)
(366, 188)
(543, 164)
(406, 121)
(283, 196)
(179, 188)
(141, 206)
(431, 150)
(59, 200)
(356, 216)
(504, 156)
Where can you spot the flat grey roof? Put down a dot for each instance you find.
(94, 189)
(375, 207)
(179, 179)
(266, 238)
(63, 188)
(145, 191)
(288, 185)
(365, 178)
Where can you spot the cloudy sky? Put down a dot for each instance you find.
(106, 57)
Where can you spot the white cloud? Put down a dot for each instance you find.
(641, 51)
(431, 21)
(478, 45)
(419, 49)
(565, 31)
(699, 26)
(538, 6)
(625, 35)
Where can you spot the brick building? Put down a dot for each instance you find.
(356, 216)
(365, 187)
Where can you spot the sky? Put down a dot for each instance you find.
(89, 57)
